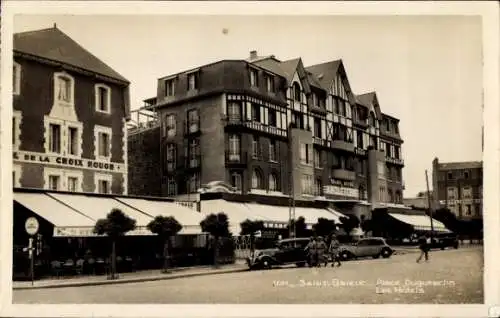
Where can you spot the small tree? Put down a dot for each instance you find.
(165, 228)
(300, 227)
(115, 225)
(218, 226)
(249, 227)
(324, 227)
(349, 223)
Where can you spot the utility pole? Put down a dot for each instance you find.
(429, 203)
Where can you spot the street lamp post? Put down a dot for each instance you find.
(429, 203)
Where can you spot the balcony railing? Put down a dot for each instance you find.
(344, 174)
(236, 158)
(343, 145)
(395, 161)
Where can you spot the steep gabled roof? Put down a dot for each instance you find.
(271, 65)
(54, 45)
(289, 68)
(368, 99)
(325, 72)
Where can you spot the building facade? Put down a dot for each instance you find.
(277, 128)
(458, 186)
(69, 117)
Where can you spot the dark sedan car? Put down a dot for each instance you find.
(287, 251)
(443, 241)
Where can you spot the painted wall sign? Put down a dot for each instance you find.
(61, 161)
(89, 232)
(342, 191)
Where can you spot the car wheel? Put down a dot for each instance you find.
(386, 253)
(266, 264)
(345, 256)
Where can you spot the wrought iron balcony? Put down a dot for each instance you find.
(399, 162)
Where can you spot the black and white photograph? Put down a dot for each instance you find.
(238, 158)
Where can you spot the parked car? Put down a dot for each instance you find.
(373, 246)
(286, 251)
(443, 241)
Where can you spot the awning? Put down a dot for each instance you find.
(420, 222)
(189, 219)
(66, 221)
(282, 213)
(236, 212)
(97, 208)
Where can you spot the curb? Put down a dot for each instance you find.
(133, 280)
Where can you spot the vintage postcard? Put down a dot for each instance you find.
(249, 159)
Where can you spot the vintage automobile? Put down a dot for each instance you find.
(286, 251)
(445, 240)
(367, 247)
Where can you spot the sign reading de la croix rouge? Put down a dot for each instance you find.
(64, 161)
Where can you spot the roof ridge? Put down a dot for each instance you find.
(33, 31)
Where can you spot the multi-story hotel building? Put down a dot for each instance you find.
(70, 111)
(458, 186)
(272, 127)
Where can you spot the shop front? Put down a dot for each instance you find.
(65, 239)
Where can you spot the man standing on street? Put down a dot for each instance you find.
(322, 249)
(334, 250)
(312, 252)
(424, 248)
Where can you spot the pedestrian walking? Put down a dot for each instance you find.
(333, 249)
(322, 251)
(424, 247)
(311, 251)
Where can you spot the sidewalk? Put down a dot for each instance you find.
(140, 276)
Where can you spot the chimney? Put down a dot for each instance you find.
(253, 55)
(55, 26)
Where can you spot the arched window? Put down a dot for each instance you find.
(296, 91)
(273, 182)
(257, 179)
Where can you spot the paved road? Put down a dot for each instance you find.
(459, 273)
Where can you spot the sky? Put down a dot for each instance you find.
(426, 70)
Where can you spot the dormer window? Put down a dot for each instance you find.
(270, 83)
(102, 98)
(388, 125)
(64, 88)
(192, 81)
(253, 78)
(16, 79)
(372, 119)
(296, 92)
(396, 129)
(170, 87)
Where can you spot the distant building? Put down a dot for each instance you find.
(273, 128)
(420, 201)
(458, 186)
(70, 111)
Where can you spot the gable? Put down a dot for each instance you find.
(340, 85)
